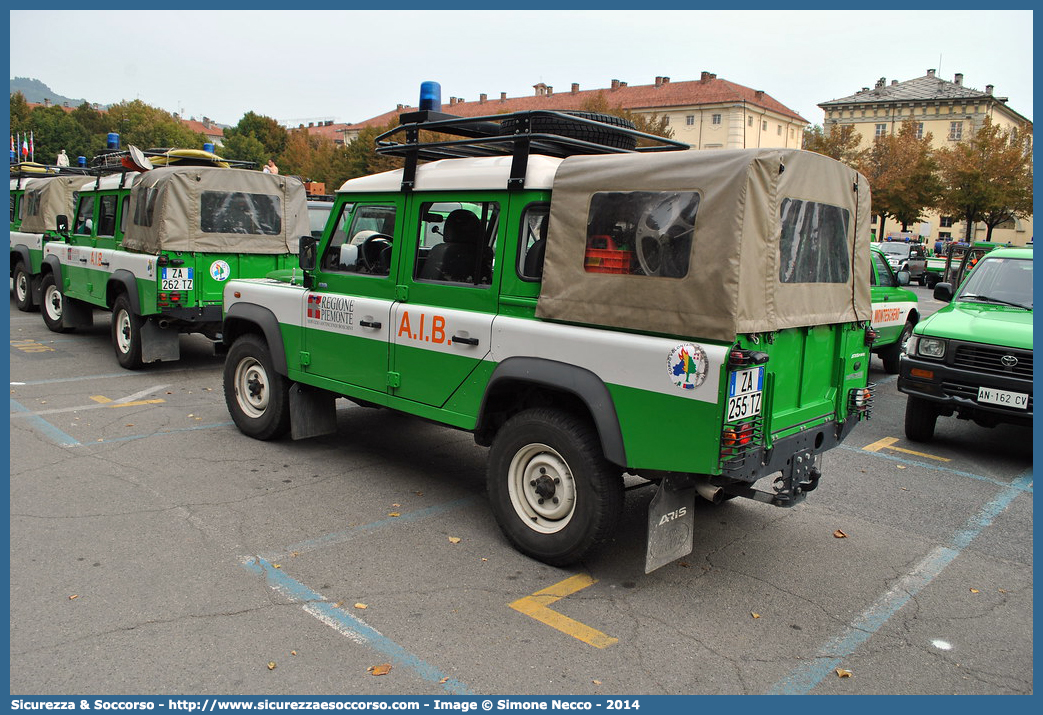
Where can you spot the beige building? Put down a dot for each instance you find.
(708, 113)
(951, 112)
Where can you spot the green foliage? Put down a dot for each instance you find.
(150, 127)
(244, 148)
(902, 173)
(266, 130)
(647, 123)
(841, 142)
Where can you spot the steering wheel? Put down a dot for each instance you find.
(371, 249)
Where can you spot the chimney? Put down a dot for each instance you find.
(704, 76)
(930, 73)
(503, 96)
(622, 84)
(759, 93)
(400, 107)
(483, 97)
(958, 79)
(659, 80)
(894, 82)
(311, 124)
(880, 82)
(615, 84)
(989, 88)
(575, 87)
(300, 126)
(550, 90)
(666, 80)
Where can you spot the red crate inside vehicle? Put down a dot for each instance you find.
(602, 256)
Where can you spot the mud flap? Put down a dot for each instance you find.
(159, 343)
(313, 412)
(76, 313)
(671, 521)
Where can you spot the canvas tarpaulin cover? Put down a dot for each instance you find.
(47, 198)
(216, 210)
(734, 242)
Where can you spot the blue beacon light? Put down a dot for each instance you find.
(431, 96)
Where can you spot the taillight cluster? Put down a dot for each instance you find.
(169, 299)
(735, 439)
(860, 401)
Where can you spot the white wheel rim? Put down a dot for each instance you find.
(53, 303)
(21, 286)
(251, 387)
(541, 488)
(123, 332)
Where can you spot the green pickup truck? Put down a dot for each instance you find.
(585, 300)
(973, 358)
(157, 248)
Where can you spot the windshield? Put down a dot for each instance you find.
(895, 249)
(1007, 281)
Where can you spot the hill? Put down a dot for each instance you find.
(36, 91)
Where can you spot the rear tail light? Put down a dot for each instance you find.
(860, 401)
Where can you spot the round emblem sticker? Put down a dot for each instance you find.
(220, 271)
(687, 366)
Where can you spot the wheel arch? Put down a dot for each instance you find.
(243, 318)
(521, 382)
(51, 264)
(122, 281)
(20, 254)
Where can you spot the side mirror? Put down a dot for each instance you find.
(62, 224)
(903, 278)
(307, 253)
(943, 292)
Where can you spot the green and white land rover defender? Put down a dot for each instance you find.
(157, 248)
(587, 305)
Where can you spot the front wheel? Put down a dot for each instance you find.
(53, 300)
(23, 289)
(552, 491)
(126, 333)
(920, 419)
(892, 353)
(258, 398)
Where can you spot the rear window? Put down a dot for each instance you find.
(641, 233)
(813, 247)
(239, 212)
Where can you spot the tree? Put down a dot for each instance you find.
(841, 142)
(149, 127)
(987, 177)
(266, 130)
(244, 148)
(902, 173)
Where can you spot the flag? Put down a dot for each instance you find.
(32, 151)
(25, 147)
(12, 142)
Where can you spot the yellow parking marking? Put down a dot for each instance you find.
(537, 606)
(31, 346)
(889, 442)
(100, 398)
(109, 403)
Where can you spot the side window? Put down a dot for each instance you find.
(882, 276)
(641, 233)
(32, 202)
(366, 245)
(145, 206)
(240, 212)
(107, 215)
(123, 214)
(84, 215)
(14, 203)
(532, 241)
(456, 242)
(813, 245)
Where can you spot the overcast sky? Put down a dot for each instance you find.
(348, 66)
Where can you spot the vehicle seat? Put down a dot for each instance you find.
(454, 258)
(533, 267)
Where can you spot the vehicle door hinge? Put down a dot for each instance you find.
(304, 358)
(402, 293)
(394, 379)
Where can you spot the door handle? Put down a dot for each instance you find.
(465, 341)
(369, 324)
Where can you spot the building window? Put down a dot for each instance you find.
(944, 235)
(779, 132)
(689, 120)
(881, 130)
(666, 120)
(749, 121)
(919, 130)
(715, 118)
(955, 131)
(945, 222)
(764, 125)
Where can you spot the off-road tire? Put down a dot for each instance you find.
(126, 333)
(23, 289)
(258, 398)
(920, 418)
(545, 454)
(51, 304)
(892, 353)
(577, 130)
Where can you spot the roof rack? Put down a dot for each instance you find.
(33, 170)
(517, 134)
(113, 159)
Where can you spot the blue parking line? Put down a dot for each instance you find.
(50, 431)
(933, 466)
(803, 679)
(351, 626)
(342, 536)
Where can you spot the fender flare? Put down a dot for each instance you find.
(578, 381)
(23, 255)
(264, 319)
(126, 279)
(55, 265)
